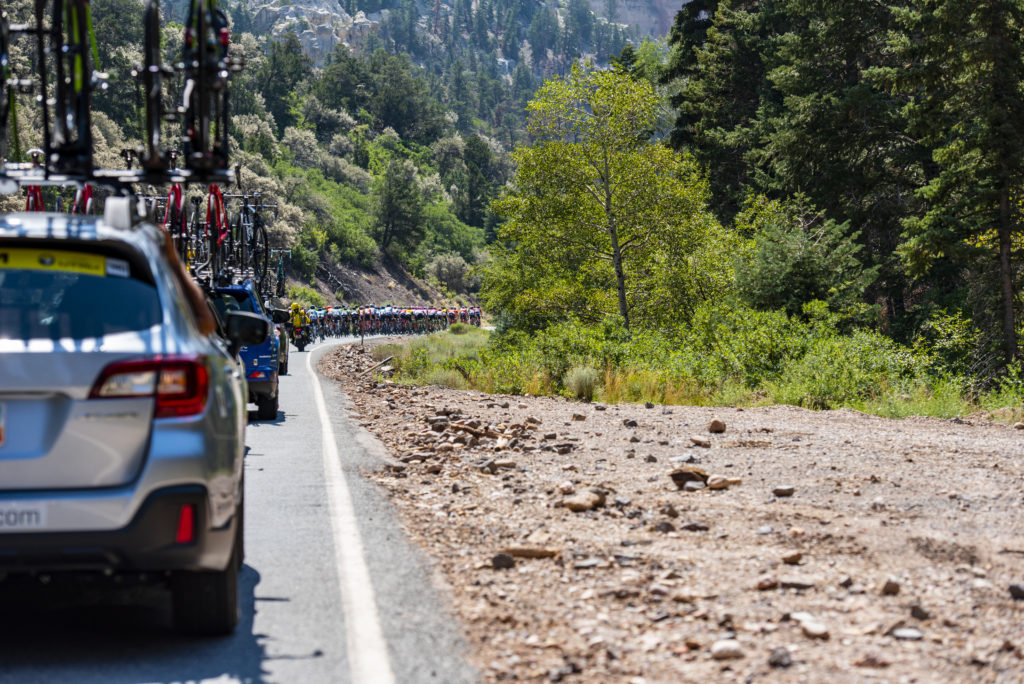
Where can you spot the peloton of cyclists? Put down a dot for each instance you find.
(388, 319)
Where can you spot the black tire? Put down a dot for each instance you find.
(206, 602)
(266, 407)
(301, 346)
(152, 80)
(283, 369)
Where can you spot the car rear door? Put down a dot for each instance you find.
(68, 317)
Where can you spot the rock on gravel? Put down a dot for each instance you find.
(726, 649)
(718, 482)
(717, 426)
(780, 658)
(586, 500)
(529, 552)
(503, 561)
(814, 629)
(783, 491)
(1017, 591)
(792, 558)
(686, 474)
(890, 587)
(907, 634)
(700, 441)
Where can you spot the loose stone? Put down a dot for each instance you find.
(792, 558)
(700, 441)
(907, 634)
(891, 587)
(814, 629)
(503, 561)
(1017, 592)
(726, 649)
(780, 658)
(783, 491)
(918, 612)
(717, 426)
(586, 500)
(718, 482)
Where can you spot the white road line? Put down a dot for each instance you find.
(367, 649)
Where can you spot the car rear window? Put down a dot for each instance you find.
(55, 294)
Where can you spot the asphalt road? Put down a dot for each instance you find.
(314, 609)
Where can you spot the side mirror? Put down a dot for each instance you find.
(279, 316)
(245, 328)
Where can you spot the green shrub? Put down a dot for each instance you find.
(839, 369)
(306, 296)
(460, 328)
(582, 382)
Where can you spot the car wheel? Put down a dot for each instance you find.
(266, 407)
(206, 602)
(283, 368)
(301, 347)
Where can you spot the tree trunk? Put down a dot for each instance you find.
(620, 276)
(1006, 276)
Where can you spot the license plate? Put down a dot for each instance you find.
(22, 517)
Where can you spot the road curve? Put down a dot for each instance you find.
(305, 604)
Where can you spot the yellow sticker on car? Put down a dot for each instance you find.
(52, 260)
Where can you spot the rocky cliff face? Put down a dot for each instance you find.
(652, 17)
(319, 24)
(322, 24)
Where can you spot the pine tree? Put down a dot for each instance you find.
(966, 62)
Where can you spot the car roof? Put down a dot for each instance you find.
(53, 226)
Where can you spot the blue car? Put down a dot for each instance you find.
(260, 361)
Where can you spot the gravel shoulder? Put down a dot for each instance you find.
(892, 558)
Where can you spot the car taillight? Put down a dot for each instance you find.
(178, 383)
(186, 533)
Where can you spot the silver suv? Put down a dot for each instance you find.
(122, 427)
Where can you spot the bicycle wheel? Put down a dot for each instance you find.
(259, 250)
(219, 233)
(240, 236)
(199, 244)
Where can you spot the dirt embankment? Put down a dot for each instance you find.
(387, 282)
(839, 547)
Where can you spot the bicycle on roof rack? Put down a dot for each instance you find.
(207, 66)
(248, 245)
